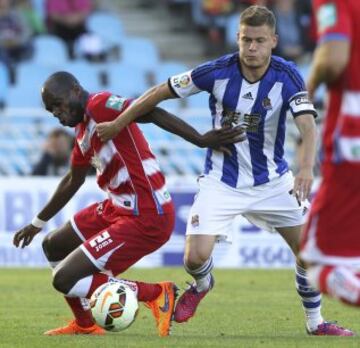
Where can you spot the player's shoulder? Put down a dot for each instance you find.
(285, 70)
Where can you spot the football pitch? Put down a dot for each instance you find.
(247, 308)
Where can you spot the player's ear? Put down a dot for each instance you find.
(275, 39)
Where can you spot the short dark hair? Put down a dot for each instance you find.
(257, 16)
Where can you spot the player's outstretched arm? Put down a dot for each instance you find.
(68, 186)
(304, 178)
(330, 60)
(141, 106)
(216, 139)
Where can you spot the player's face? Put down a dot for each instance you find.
(67, 109)
(256, 45)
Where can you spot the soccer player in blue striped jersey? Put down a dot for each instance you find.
(253, 89)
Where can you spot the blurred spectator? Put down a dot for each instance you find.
(15, 45)
(67, 18)
(291, 45)
(55, 159)
(32, 18)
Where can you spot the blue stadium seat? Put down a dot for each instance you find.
(231, 29)
(87, 73)
(107, 26)
(140, 52)
(126, 80)
(167, 69)
(29, 80)
(49, 50)
(4, 82)
(199, 100)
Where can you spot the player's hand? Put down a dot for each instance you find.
(217, 139)
(107, 130)
(303, 183)
(26, 235)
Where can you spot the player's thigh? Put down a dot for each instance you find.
(61, 242)
(125, 242)
(198, 249)
(213, 211)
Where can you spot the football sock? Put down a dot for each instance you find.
(79, 306)
(148, 291)
(339, 282)
(86, 286)
(202, 275)
(311, 299)
(81, 311)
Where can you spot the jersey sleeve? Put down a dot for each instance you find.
(193, 81)
(298, 99)
(332, 20)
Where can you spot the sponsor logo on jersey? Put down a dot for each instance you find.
(115, 102)
(266, 103)
(230, 118)
(326, 17)
(195, 220)
(100, 241)
(248, 96)
(182, 81)
(253, 121)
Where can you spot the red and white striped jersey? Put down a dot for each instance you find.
(125, 166)
(339, 20)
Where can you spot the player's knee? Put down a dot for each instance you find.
(194, 259)
(61, 281)
(47, 246)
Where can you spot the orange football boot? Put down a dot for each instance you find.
(162, 307)
(74, 329)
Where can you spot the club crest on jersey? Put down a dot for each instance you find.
(266, 103)
(195, 220)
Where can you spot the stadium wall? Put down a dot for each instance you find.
(21, 198)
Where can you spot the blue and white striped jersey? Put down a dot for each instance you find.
(262, 104)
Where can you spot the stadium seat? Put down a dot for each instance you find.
(107, 26)
(49, 50)
(139, 52)
(199, 100)
(87, 73)
(231, 29)
(4, 82)
(167, 69)
(29, 80)
(126, 80)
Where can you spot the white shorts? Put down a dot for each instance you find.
(267, 206)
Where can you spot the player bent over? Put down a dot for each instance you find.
(106, 238)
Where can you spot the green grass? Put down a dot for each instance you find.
(247, 308)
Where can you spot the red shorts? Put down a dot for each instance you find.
(114, 243)
(332, 233)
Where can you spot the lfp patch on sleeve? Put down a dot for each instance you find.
(115, 102)
(326, 17)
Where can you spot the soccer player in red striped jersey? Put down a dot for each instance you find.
(136, 219)
(331, 242)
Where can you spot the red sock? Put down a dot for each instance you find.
(97, 280)
(148, 291)
(83, 316)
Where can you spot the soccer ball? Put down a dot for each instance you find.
(114, 306)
